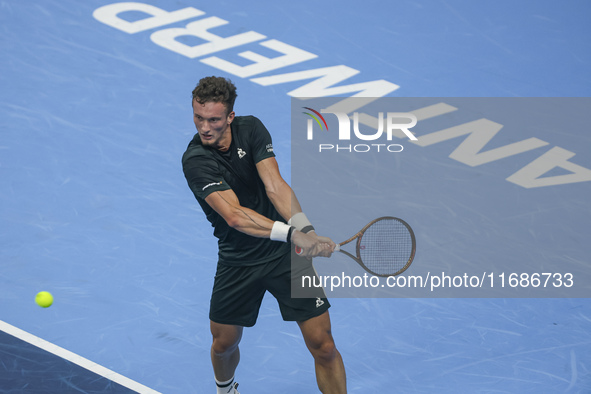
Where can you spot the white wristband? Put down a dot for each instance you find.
(280, 232)
(299, 221)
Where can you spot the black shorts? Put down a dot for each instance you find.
(238, 293)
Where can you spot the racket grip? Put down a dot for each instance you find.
(337, 248)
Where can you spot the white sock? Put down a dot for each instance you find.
(224, 387)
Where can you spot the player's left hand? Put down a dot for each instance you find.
(313, 245)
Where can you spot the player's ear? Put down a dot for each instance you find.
(230, 117)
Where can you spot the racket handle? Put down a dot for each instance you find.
(337, 248)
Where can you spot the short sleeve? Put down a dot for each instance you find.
(262, 143)
(202, 172)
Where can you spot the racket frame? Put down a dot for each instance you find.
(359, 237)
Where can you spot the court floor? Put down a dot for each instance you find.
(95, 114)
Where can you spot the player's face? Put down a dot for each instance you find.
(213, 124)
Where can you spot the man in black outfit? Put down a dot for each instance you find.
(231, 169)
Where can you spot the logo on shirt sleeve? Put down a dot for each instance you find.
(211, 184)
(269, 147)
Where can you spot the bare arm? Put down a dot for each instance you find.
(287, 204)
(238, 217)
(243, 219)
(278, 191)
(246, 220)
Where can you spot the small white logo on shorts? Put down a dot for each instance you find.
(319, 302)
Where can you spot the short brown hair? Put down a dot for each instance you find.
(217, 90)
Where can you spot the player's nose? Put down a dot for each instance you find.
(203, 127)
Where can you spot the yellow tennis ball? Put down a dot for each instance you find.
(44, 299)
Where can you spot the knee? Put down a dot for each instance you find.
(223, 345)
(323, 349)
(225, 340)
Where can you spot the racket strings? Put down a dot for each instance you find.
(386, 247)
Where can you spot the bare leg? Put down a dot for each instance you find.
(225, 354)
(330, 370)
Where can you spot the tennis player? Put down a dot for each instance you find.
(231, 169)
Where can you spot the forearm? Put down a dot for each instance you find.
(294, 215)
(250, 222)
(243, 219)
(279, 192)
(285, 201)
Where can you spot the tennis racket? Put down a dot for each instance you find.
(386, 246)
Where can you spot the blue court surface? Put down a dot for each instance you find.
(95, 113)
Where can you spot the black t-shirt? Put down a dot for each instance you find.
(208, 170)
